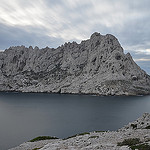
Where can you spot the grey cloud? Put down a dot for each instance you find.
(145, 65)
(54, 2)
(12, 36)
(136, 33)
(65, 20)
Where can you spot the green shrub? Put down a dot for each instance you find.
(36, 148)
(94, 137)
(129, 142)
(140, 147)
(39, 138)
(134, 126)
(100, 131)
(148, 127)
(84, 133)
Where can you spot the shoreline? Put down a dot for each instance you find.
(81, 94)
(138, 129)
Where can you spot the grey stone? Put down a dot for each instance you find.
(95, 66)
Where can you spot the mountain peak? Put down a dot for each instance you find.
(95, 66)
(95, 34)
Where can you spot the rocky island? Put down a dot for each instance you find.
(134, 136)
(95, 66)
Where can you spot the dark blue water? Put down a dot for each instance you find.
(24, 116)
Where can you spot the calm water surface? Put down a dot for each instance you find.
(24, 116)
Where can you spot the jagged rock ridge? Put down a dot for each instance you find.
(95, 66)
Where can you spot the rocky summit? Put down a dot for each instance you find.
(95, 66)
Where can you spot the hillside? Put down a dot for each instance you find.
(95, 66)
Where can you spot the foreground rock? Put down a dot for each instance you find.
(95, 66)
(97, 140)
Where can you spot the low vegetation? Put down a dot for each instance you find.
(129, 142)
(37, 148)
(93, 137)
(140, 147)
(84, 133)
(135, 143)
(134, 126)
(100, 131)
(148, 127)
(39, 138)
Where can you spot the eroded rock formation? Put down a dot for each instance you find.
(95, 66)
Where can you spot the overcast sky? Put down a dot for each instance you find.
(53, 22)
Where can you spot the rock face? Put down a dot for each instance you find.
(95, 66)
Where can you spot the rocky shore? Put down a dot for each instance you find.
(95, 66)
(135, 135)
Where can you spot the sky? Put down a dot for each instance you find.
(53, 22)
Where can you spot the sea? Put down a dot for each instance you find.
(24, 116)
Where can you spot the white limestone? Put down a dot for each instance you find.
(95, 66)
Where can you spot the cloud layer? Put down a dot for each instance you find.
(51, 23)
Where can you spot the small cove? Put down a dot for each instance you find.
(24, 116)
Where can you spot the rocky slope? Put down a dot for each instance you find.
(100, 140)
(95, 66)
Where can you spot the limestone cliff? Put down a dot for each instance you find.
(95, 66)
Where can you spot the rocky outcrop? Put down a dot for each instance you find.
(95, 66)
(140, 123)
(99, 140)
